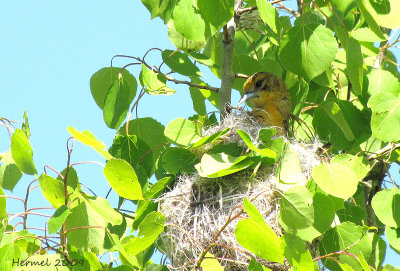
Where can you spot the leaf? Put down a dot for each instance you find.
(116, 103)
(256, 236)
(9, 172)
(198, 101)
(365, 34)
(149, 230)
(386, 205)
(58, 218)
(296, 253)
(393, 236)
(22, 152)
(358, 163)
(308, 50)
(3, 210)
(297, 209)
(123, 180)
(102, 80)
(369, 18)
(189, 23)
(341, 123)
(86, 228)
(87, 138)
(217, 13)
(290, 171)
(269, 15)
(180, 63)
(221, 164)
(381, 81)
(178, 161)
(324, 213)
(247, 140)
(156, 7)
(149, 204)
(208, 139)
(181, 42)
(386, 12)
(336, 179)
(102, 207)
(183, 132)
(385, 120)
(151, 132)
(256, 266)
(53, 190)
(345, 236)
(210, 263)
(355, 61)
(154, 83)
(133, 150)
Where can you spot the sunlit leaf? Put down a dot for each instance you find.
(154, 83)
(22, 152)
(386, 204)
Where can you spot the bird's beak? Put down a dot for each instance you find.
(247, 96)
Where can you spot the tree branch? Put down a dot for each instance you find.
(176, 81)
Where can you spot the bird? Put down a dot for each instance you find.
(271, 99)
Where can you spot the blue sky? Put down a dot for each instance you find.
(49, 50)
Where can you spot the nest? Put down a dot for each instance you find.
(197, 209)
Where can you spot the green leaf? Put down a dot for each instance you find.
(183, 132)
(324, 213)
(381, 81)
(358, 163)
(86, 228)
(217, 13)
(269, 15)
(181, 42)
(156, 7)
(178, 161)
(290, 171)
(87, 138)
(180, 63)
(336, 179)
(3, 210)
(25, 126)
(9, 172)
(256, 266)
(198, 101)
(102, 206)
(386, 205)
(246, 65)
(116, 103)
(341, 123)
(247, 140)
(151, 132)
(355, 63)
(189, 23)
(345, 236)
(308, 50)
(297, 209)
(149, 204)
(256, 236)
(58, 218)
(122, 178)
(365, 34)
(296, 253)
(393, 236)
(133, 150)
(154, 83)
(53, 190)
(385, 120)
(102, 80)
(363, 262)
(149, 230)
(369, 18)
(386, 12)
(221, 164)
(210, 263)
(210, 138)
(22, 152)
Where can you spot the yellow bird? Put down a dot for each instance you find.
(271, 100)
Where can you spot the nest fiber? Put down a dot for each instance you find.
(197, 209)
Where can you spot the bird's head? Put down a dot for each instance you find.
(260, 86)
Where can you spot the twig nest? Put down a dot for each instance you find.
(198, 209)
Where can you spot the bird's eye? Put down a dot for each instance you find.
(259, 83)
